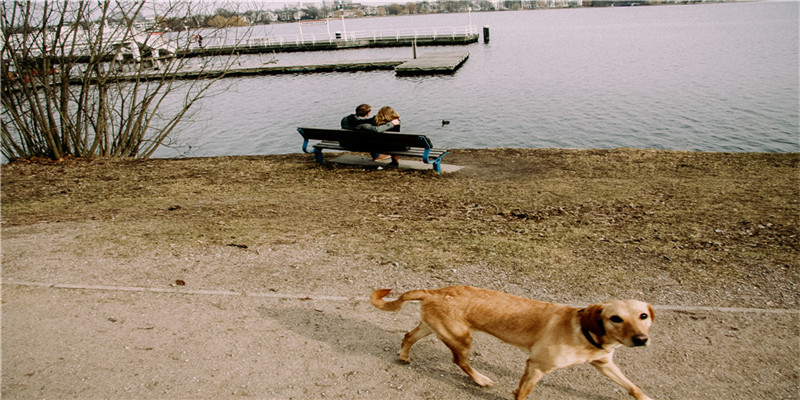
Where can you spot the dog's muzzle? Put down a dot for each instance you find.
(639, 340)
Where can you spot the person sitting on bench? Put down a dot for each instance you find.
(384, 115)
(361, 121)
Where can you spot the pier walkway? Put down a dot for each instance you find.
(348, 40)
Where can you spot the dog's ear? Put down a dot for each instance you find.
(592, 321)
(652, 315)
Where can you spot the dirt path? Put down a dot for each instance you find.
(130, 344)
(278, 255)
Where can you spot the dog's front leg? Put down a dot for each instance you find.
(608, 368)
(533, 373)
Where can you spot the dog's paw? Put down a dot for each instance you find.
(404, 360)
(482, 380)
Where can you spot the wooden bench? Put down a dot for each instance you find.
(398, 144)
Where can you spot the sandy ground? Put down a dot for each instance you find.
(93, 308)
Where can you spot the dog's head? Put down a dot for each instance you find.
(625, 322)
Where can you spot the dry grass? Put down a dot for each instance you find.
(711, 223)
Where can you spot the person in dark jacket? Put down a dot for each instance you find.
(361, 121)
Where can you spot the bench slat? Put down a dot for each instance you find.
(367, 141)
(411, 152)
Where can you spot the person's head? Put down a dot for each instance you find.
(385, 114)
(363, 110)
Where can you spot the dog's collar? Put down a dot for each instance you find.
(588, 335)
(591, 340)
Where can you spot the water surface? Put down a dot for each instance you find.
(716, 77)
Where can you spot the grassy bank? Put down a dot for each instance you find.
(674, 226)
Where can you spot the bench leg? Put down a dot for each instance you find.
(437, 166)
(318, 155)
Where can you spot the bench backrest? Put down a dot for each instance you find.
(367, 141)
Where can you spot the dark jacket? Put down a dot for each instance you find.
(356, 123)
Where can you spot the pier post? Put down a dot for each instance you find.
(414, 46)
(486, 34)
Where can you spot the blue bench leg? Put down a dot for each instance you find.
(318, 155)
(437, 166)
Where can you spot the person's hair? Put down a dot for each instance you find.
(385, 114)
(363, 110)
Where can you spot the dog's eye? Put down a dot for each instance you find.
(644, 316)
(616, 319)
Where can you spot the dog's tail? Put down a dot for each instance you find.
(376, 299)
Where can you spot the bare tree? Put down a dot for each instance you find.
(107, 78)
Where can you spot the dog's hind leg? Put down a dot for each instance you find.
(460, 346)
(412, 337)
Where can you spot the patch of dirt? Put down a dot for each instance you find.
(681, 230)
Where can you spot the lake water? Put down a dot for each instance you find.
(715, 77)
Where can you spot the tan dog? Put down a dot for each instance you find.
(554, 335)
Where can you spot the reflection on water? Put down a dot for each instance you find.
(718, 77)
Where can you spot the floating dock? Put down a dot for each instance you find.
(425, 64)
(433, 63)
(353, 66)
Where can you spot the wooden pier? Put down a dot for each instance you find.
(326, 45)
(449, 36)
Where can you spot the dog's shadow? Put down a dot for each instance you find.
(430, 357)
